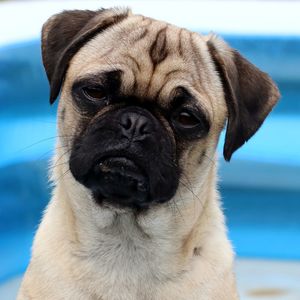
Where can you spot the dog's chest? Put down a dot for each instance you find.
(125, 264)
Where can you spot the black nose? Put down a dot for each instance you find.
(135, 125)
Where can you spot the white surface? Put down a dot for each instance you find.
(257, 280)
(9, 290)
(268, 280)
(23, 20)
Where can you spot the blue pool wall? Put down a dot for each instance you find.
(263, 213)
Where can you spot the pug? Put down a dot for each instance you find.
(135, 211)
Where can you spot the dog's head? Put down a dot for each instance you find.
(143, 102)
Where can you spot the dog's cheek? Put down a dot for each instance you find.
(67, 121)
(192, 159)
(61, 123)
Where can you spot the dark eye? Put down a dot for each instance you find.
(190, 123)
(186, 120)
(94, 93)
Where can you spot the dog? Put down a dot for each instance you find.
(135, 211)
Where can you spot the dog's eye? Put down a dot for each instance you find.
(94, 93)
(186, 120)
(190, 123)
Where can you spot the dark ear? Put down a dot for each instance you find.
(65, 33)
(250, 94)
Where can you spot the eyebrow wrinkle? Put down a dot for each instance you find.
(135, 62)
(141, 36)
(158, 50)
(179, 43)
(166, 81)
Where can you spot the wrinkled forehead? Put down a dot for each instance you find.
(154, 58)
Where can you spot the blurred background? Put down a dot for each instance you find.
(261, 185)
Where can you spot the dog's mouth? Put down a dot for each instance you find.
(119, 180)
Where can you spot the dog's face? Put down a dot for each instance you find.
(143, 102)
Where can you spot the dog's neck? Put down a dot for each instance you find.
(175, 230)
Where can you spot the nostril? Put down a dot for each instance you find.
(143, 128)
(126, 122)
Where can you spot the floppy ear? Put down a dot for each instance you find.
(250, 94)
(65, 33)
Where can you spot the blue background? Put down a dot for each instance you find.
(260, 187)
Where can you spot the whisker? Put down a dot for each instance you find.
(41, 141)
(58, 159)
(62, 176)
